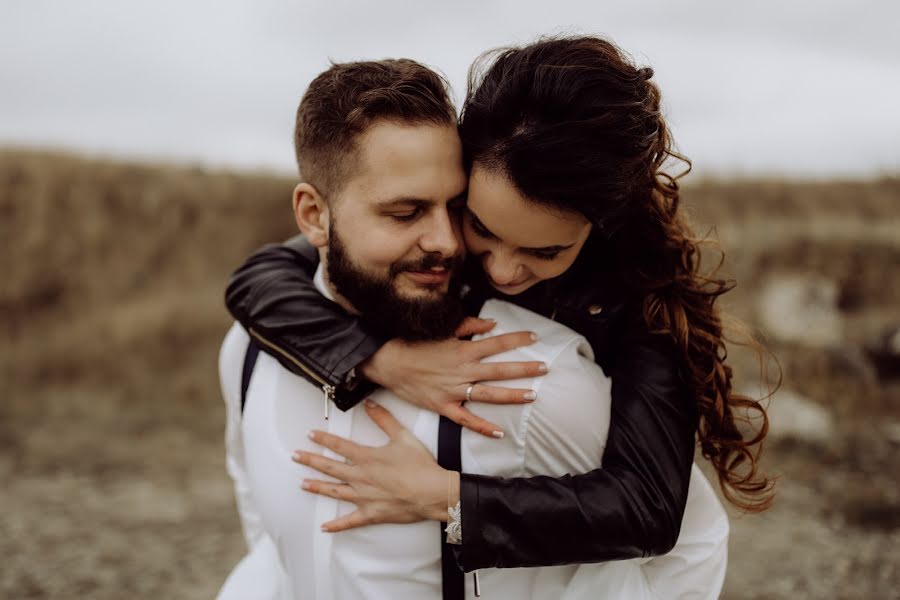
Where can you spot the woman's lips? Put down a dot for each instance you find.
(508, 286)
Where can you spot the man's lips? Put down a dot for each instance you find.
(430, 276)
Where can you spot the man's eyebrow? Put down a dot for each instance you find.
(555, 248)
(403, 201)
(407, 201)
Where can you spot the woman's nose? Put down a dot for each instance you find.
(502, 270)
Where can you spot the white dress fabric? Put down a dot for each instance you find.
(563, 431)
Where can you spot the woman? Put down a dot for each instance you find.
(570, 215)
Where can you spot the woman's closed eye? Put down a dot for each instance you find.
(544, 254)
(481, 231)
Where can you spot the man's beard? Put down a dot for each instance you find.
(383, 308)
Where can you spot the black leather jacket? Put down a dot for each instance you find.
(632, 507)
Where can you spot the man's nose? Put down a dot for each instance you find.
(501, 268)
(443, 236)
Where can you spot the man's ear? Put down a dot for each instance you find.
(312, 214)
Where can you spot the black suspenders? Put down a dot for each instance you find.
(249, 363)
(449, 457)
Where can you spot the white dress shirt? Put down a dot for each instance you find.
(563, 431)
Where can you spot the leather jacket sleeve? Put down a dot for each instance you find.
(630, 508)
(273, 296)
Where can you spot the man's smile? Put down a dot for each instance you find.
(432, 276)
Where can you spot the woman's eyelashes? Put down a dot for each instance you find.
(481, 231)
(544, 254)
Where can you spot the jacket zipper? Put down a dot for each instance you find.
(327, 388)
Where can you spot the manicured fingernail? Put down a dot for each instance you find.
(325, 528)
(530, 396)
(497, 434)
(543, 368)
(297, 456)
(494, 321)
(312, 435)
(306, 485)
(370, 403)
(534, 337)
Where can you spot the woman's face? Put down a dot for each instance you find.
(518, 242)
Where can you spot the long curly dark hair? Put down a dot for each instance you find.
(574, 124)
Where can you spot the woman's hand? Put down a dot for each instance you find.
(396, 483)
(436, 375)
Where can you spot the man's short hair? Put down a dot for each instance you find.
(345, 100)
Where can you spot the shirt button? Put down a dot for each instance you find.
(595, 309)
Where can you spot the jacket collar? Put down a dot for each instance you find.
(301, 246)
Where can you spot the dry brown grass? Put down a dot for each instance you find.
(111, 420)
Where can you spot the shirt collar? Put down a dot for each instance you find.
(321, 285)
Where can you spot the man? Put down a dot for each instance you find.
(381, 163)
(382, 168)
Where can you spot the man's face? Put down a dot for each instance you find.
(394, 243)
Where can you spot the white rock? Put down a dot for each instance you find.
(894, 343)
(892, 431)
(802, 309)
(792, 415)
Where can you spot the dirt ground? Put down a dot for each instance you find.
(111, 421)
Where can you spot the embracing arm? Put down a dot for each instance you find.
(273, 296)
(632, 507)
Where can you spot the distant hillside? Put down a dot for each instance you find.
(113, 247)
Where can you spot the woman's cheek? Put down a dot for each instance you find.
(548, 269)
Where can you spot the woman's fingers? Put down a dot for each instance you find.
(338, 491)
(327, 466)
(355, 519)
(474, 326)
(499, 395)
(464, 418)
(502, 343)
(339, 445)
(508, 370)
(384, 419)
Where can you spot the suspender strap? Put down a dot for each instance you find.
(453, 582)
(249, 363)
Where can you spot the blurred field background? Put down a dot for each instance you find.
(111, 420)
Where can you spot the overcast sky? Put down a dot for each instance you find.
(799, 88)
